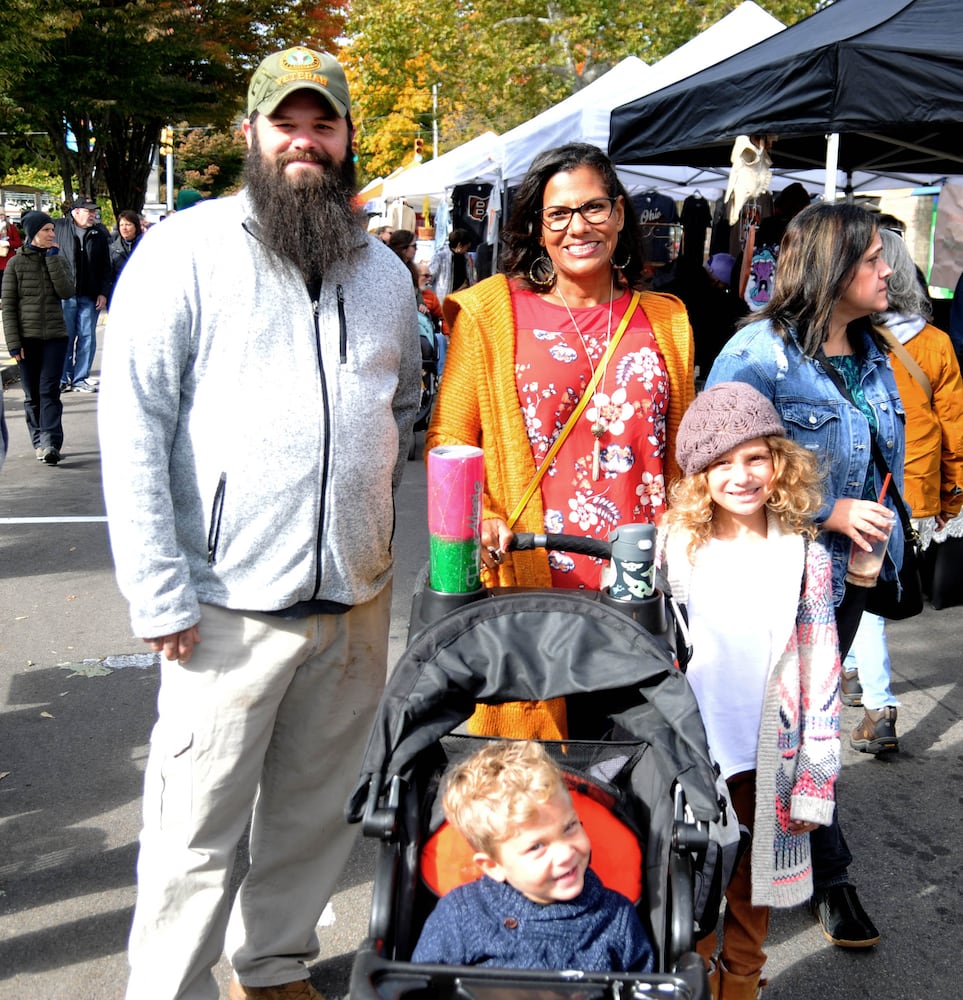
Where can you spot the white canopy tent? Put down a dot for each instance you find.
(470, 162)
(584, 116)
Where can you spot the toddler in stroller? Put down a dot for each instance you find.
(510, 803)
(640, 753)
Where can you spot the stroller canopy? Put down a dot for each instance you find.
(533, 646)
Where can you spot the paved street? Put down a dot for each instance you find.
(77, 695)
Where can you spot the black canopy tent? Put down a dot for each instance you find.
(886, 75)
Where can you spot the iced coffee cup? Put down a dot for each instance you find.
(863, 569)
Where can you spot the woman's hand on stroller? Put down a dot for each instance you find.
(496, 539)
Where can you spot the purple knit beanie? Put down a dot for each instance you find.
(720, 419)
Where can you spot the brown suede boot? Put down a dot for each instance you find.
(877, 731)
(733, 987)
(715, 987)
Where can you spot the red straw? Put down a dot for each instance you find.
(882, 492)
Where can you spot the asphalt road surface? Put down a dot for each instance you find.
(77, 701)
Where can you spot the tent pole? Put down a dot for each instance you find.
(832, 164)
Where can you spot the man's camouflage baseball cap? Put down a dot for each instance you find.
(297, 69)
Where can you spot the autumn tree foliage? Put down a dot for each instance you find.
(209, 160)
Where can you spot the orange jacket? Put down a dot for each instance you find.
(934, 432)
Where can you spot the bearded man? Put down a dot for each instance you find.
(263, 376)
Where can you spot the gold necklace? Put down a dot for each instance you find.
(600, 424)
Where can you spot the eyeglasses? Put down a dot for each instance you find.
(411, 246)
(594, 212)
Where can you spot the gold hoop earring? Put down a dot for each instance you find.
(542, 272)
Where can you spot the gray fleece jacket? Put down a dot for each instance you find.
(251, 439)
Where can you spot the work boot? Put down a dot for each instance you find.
(850, 690)
(842, 917)
(877, 731)
(300, 989)
(733, 987)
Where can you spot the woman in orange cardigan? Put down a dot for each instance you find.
(564, 322)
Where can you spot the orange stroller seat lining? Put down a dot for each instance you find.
(447, 859)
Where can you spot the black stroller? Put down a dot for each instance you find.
(637, 745)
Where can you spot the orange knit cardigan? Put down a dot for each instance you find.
(478, 405)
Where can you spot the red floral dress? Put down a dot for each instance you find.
(552, 371)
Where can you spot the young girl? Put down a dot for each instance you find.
(765, 666)
(831, 277)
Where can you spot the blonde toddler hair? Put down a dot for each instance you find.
(491, 795)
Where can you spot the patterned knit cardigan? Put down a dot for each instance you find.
(798, 757)
(478, 405)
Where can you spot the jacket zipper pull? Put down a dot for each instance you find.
(342, 325)
(217, 510)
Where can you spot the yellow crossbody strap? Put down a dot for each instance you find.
(909, 362)
(577, 412)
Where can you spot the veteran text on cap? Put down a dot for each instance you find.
(297, 69)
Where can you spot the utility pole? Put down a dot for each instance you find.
(434, 120)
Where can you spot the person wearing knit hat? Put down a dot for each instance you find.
(35, 282)
(720, 418)
(187, 197)
(720, 265)
(738, 551)
(816, 334)
(33, 222)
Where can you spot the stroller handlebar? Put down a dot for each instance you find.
(632, 578)
(526, 541)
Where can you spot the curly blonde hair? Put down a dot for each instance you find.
(491, 795)
(796, 496)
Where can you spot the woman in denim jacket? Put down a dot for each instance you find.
(831, 278)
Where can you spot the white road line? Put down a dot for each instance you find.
(53, 520)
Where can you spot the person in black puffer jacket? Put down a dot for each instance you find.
(34, 283)
(123, 244)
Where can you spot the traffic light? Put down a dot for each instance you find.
(419, 146)
(166, 140)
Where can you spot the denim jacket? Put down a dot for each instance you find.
(817, 416)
